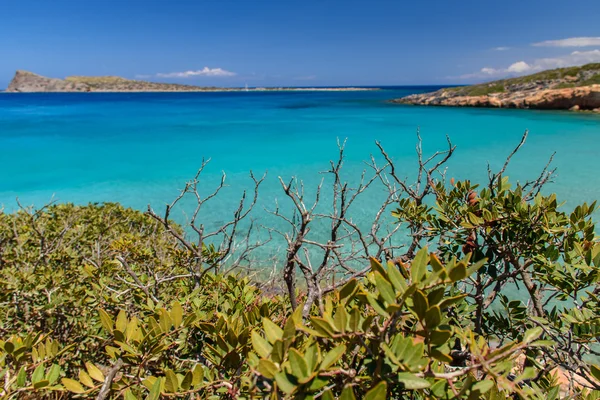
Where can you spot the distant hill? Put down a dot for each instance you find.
(28, 82)
(25, 81)
(576, 88)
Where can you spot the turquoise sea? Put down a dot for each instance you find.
(139, 149)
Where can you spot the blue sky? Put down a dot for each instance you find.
(301, 43)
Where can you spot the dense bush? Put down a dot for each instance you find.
(107, 302)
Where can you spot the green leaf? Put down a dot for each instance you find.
(272, 331)
(322, 326)
(278, 353)
(385, 288)
(420, 304)
(198, 375)
(327, 395)
(333, 356)
(260, 344)
(284, 384)
(297, 363)
(528, 373)
(449, 301)
(440, 356)
(21, 377)
(435, 296)
(376, 266)
(595, 370)
(94, 372)
(129, 395)
(483, 386)
(376, 306)
(542, 343)
(38, 374)
(41, 384)
(155, 391)
(289, 329)
(85, 379)
(72, 385)
(354, 323)
(436, 264)
(396, 278)
(532, 334)
(131, 328)
(433, 317)
(378, 392)
(148, 382)
(312, 357)
(106, 321)
(9, 347)
(165, 321)
(439, 337)
(267, 369)
(316, 383)
(53, 373)
(121, 324)
(418, 267)
(176, 313)
(340, 319)
(348, 289)
(186, 383)
(412, 382)
(458, 273)
(171, 382)
(347, 393)
(475, 267)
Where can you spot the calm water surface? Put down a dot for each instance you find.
(139, 149)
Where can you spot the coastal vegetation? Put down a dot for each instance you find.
(101, 301)
(585, 75)
(561, 88)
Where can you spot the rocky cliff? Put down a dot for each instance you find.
(25, 81)
(576, 88)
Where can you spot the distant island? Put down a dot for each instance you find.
(28, 82)
(573, 88)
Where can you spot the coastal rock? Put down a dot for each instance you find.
(25, 81)
(575, 88)
(584, 98)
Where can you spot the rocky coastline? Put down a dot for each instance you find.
(28, 82)
(575, 88)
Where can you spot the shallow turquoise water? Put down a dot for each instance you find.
(139, 149)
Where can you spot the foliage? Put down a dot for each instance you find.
(107, 302)
(558, 78)
(480, 90)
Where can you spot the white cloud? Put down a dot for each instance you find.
(489, 71)
(219, 72)
(519, 67)
(540, 64)
(483, 73)
(570, 42)
(501, 48)
(575, 58)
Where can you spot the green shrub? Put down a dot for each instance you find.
(107, 302)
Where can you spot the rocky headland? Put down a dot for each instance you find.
(28, 82)
(573, 88)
